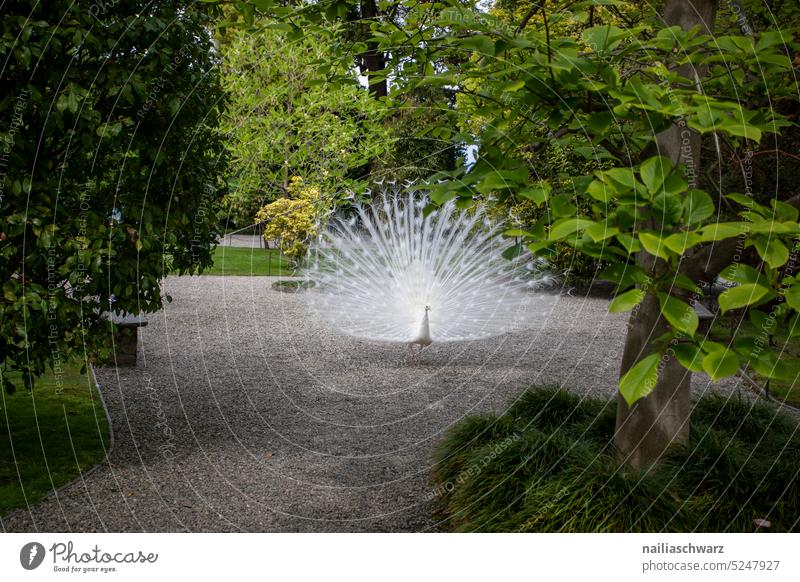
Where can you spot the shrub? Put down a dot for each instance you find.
(291, 222)
(546, 465)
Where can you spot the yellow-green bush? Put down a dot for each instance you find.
(291, 221)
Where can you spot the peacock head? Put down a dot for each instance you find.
(427, 309)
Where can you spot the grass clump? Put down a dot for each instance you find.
(292, 285)
(49, 436)
(547, 465)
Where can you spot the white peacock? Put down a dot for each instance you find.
(393, 273)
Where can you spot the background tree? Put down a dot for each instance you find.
(287, 117)
(420, 142)
(110, 162)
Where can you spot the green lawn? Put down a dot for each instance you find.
(49, 436)
(239, 261)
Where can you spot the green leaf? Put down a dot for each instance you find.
(690, 356)
(513, 252)
(537, 194)
(741, 128)
(697, 207)
(681, 241)
(720, 364)
(567, 226)
(772, 228)
(773, 251)
(784, 212)
(624, 275)
(641, 379)
(480, 43)
(603, 38)
(723, 230)
(741, 273)
(632, 245)
(502, 179)
(674, 185)
(741, 296)
(747, 202)
(684, 282)
(622, 176)
(626, 301)
(680, 315)
(513, 86)
(667, 209)
(654, 245)
(794, 326)
(539, 246)
(601, 231)
(562, 205)
(709, 346)
(599, 122)
(768, 39)
(792, 297)
(600, 191)
(72, 102)
(654, 171)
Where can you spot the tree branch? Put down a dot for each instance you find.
(525, 19)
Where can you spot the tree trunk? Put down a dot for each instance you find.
(373, 60)
(646, 430)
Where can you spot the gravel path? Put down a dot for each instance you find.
(244, 414)
(250, 241)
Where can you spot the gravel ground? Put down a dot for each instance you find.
(244, 414)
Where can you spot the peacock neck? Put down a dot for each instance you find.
(425, 328)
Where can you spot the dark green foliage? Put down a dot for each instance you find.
(602, 497)
(460, 440)
(546, 465)
(552, 408)
(750, 424)
(110, 160)
(415, 153)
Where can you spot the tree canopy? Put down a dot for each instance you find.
(111, 168)
(285, 119)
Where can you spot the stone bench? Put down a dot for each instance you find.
(126, 337)
(705, 316)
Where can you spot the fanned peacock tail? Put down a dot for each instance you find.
(374, 274)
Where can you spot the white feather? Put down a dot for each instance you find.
(373, 277)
